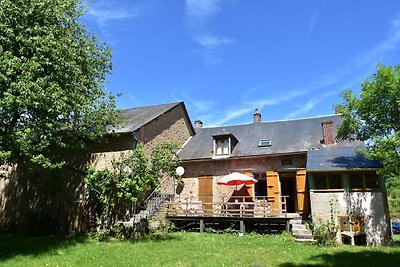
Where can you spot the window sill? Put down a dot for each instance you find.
(220, 156)
(327, 190)
(364, 189)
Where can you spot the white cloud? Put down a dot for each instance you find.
(210, 41)
(251, 106)
(381, 49)
(198, 14)
(201, 9)
(314, 18)
(347, 75)
(311, 103)
(201, 105)
(104, 11)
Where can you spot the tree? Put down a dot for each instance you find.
(374, 117)
(112, 192)
(52, 74)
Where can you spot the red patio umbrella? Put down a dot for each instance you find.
(236, 178)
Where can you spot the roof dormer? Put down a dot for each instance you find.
(223, 145)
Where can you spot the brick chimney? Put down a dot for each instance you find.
(256, 116)
(327, 133)
(198, 124)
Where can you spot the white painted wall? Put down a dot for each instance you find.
(372, 206)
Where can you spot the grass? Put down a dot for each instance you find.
(188, 249)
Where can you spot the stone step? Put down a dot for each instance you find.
(305, 240)
(299, 227)
(298, 232)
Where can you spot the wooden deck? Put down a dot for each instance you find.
(240, 209)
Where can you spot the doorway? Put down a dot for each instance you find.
(288, 188)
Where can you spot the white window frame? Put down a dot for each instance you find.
(225, 151)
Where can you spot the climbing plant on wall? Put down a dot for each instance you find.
(111, 193)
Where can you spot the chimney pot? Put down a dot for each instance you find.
(256, 116)
(198, 124)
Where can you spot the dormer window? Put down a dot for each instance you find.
(223, 145)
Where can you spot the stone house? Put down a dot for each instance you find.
(301, 169)
(59, 207)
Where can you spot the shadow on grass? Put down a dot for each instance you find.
(14, 245)
(155, 237)
(354, 259)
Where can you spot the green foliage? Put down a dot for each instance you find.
(102, 196)
(231, 230)
(52, 71)
(111, 192)
(325, 233)
(393, 185)
(172, 228)
(374, 117)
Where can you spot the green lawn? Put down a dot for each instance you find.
(188, 249)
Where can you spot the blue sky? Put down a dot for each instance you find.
(224, 58)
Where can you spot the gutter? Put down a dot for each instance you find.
(246, 157)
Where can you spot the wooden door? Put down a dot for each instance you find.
(206, 192)
(303, 196)
(273, 190)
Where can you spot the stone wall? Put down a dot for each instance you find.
(218, 168)
(61, 208)
(372, 206)
(114, 148)
(257, 165)
(171, 127)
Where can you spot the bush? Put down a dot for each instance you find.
(325, 233)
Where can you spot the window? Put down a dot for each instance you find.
(356, 181)
(264, 143)
(326, 181)
(364, 181)
(286, 162)
(222, 147)
(260, 188)
(372, 180)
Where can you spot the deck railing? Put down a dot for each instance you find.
(235, 206)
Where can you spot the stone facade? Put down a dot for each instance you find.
(218, 168)
(62, 209)
(372, 206)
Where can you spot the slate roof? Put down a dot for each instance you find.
(338, 159)
(290, 136)
(134, 118)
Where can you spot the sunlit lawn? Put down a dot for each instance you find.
(188, 249)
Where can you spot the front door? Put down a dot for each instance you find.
(288, 189)
(206, 192)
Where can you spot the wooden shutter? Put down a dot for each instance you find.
(303, 196)
(249, 188)
(206, 192)
(273, 190)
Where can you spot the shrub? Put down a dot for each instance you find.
(325, 233)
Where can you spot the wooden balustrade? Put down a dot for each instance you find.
(238, 206)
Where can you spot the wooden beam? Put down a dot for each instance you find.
(201, 226)
(242, 227)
